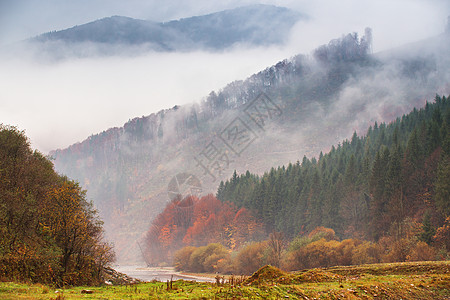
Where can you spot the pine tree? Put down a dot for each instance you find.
(433, 136)
(221, 191)
(428, 230)
(377, 190)
(394, 189)
(442, 186)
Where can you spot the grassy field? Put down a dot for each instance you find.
(418, 280)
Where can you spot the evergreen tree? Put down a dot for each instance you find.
(361, 187)
(428, 230)
(442, 186)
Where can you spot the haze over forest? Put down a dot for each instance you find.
(148, 81)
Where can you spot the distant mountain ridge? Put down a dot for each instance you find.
(253, 25)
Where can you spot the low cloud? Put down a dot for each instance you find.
(60, 103)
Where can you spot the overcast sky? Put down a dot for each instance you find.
(63, 103)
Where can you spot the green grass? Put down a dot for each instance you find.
(423, 280)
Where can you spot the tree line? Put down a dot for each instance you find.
(365, 187)
(319, 248)
(383, 197)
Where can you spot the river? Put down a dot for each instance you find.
(160, 274)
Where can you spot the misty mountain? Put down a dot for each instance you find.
(254, 25)
(354, 188)
(299, 106)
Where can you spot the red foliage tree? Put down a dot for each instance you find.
(197, 222)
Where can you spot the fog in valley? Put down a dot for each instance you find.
(61, 102)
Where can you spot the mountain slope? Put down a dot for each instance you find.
(116, 29)
(252, 25)
(313, 102)
(364, 186)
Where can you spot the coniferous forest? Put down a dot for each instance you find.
(382, 197)
(365, 187)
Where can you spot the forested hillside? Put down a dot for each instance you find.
(365, 187)
(316, 101)
(49, 232)
(382, 197)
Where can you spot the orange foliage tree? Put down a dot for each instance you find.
(442, 236)
(196, 222)
(49, 232)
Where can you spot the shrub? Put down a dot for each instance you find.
(322, 232)
(226, 265)
(204, 259)
(250, 258)
(422, 251)
(182, 257)
(366, 253)
(322, 253)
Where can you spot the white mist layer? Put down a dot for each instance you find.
(61, 103)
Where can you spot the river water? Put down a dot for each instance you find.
(160, 274)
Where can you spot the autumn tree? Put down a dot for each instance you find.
(50, 233)
(442, 236)
(276, 245)
(250, 258)
(197, 222)
(73, 223)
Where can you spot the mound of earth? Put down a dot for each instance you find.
(267, 275)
